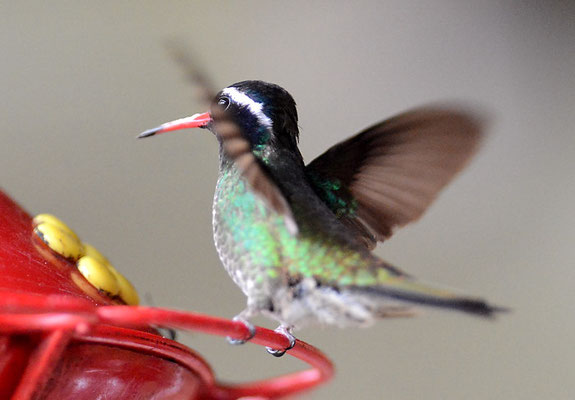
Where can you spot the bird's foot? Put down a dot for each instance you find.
(167, 333)
(251, 328)
(286, 331)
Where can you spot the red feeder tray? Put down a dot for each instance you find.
(60, 338)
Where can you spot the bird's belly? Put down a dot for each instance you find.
(245, 235)
(274, 267)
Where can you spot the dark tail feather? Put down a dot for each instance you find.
(477, 307)
(468, 305)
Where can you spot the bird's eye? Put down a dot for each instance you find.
(224, 103)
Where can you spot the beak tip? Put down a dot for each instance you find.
(195, 121)
(149, 132)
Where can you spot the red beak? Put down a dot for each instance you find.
(195, 121)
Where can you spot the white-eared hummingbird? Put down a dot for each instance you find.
(298, 239)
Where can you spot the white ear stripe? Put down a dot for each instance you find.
(255, 108)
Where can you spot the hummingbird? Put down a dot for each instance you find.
(298, 239)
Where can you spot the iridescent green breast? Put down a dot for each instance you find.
(255, 245)
(245, 231)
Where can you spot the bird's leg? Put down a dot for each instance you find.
(244, 317)
(286, 331)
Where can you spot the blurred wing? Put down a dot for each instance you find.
(202, 85)
(392, 171)
(239, 150)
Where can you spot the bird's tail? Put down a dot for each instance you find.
(406, 290)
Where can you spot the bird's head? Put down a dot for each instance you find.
(264, 114)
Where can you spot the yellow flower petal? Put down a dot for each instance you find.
(60, 240)
(99, 275)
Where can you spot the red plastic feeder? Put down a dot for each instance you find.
(61, 338)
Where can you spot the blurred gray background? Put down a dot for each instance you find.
(79, 80)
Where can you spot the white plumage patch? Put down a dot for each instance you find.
(255, 108)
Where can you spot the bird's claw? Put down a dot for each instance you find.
(251, 328)
(167, 333)
(286, 332)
